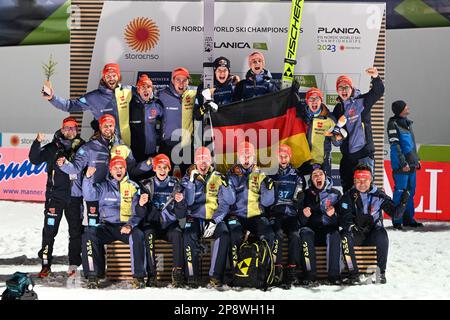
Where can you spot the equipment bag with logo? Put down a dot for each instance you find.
(255, 265)
(19, 287)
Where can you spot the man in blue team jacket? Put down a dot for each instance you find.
(404, 161)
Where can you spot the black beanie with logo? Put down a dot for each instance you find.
(398, 106)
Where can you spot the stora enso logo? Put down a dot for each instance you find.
(141, 34)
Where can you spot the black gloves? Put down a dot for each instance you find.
(404, 197)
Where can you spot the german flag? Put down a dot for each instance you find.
(266, 121)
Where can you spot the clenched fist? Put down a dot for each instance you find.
(373, 72)
(60, 161)
(143, 199)
(307, 212)
(179, 197)
(90, 171)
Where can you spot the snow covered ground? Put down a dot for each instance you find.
(418, 266)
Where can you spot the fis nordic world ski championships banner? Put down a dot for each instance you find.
(156, 37)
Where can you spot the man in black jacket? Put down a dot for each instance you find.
(63, 194)
(319, 227)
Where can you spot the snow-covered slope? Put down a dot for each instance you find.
(418, 266)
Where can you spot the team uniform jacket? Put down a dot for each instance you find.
(160, 192)
(252, 191)
(208, 197)
(319, 201)
(223, 94)
(176, 115)
(117, 200)
(319, 144)
(254, 85)
(97, 153)
(359, 143)
(365, 209)
(403, 144)
(102, 101)
(143, 120)
(60, 186)
(288, 192)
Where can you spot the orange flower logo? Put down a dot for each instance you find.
(142, 34)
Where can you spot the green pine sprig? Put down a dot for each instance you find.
(49, 68)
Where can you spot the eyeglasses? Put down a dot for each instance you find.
(344, 88)
(70, 128)
(314, 99)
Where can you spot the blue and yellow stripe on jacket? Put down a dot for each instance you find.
(127, 190)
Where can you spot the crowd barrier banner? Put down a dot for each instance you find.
(432, 191)
(19, 179)
(22, 140)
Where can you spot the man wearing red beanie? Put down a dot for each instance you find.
(208, 196)
(283, 216)
(118, 198)
(111, 97)
(178, 123)
(358, 147)
(63, 194)
(160, 207)
(145, 112)
(97, 153)
(321, 130)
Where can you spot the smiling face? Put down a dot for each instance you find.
(247, 159)
(162, 171)
(222, 74)
(111, 79)
(202, 166)
(69, 132)
(145, 92)
(118, 171)
(362, 184)
(180, 83)
(314, 102)
(318, 178)
(107, 130)
(344, 90)
(283, 160)
(256, 64)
